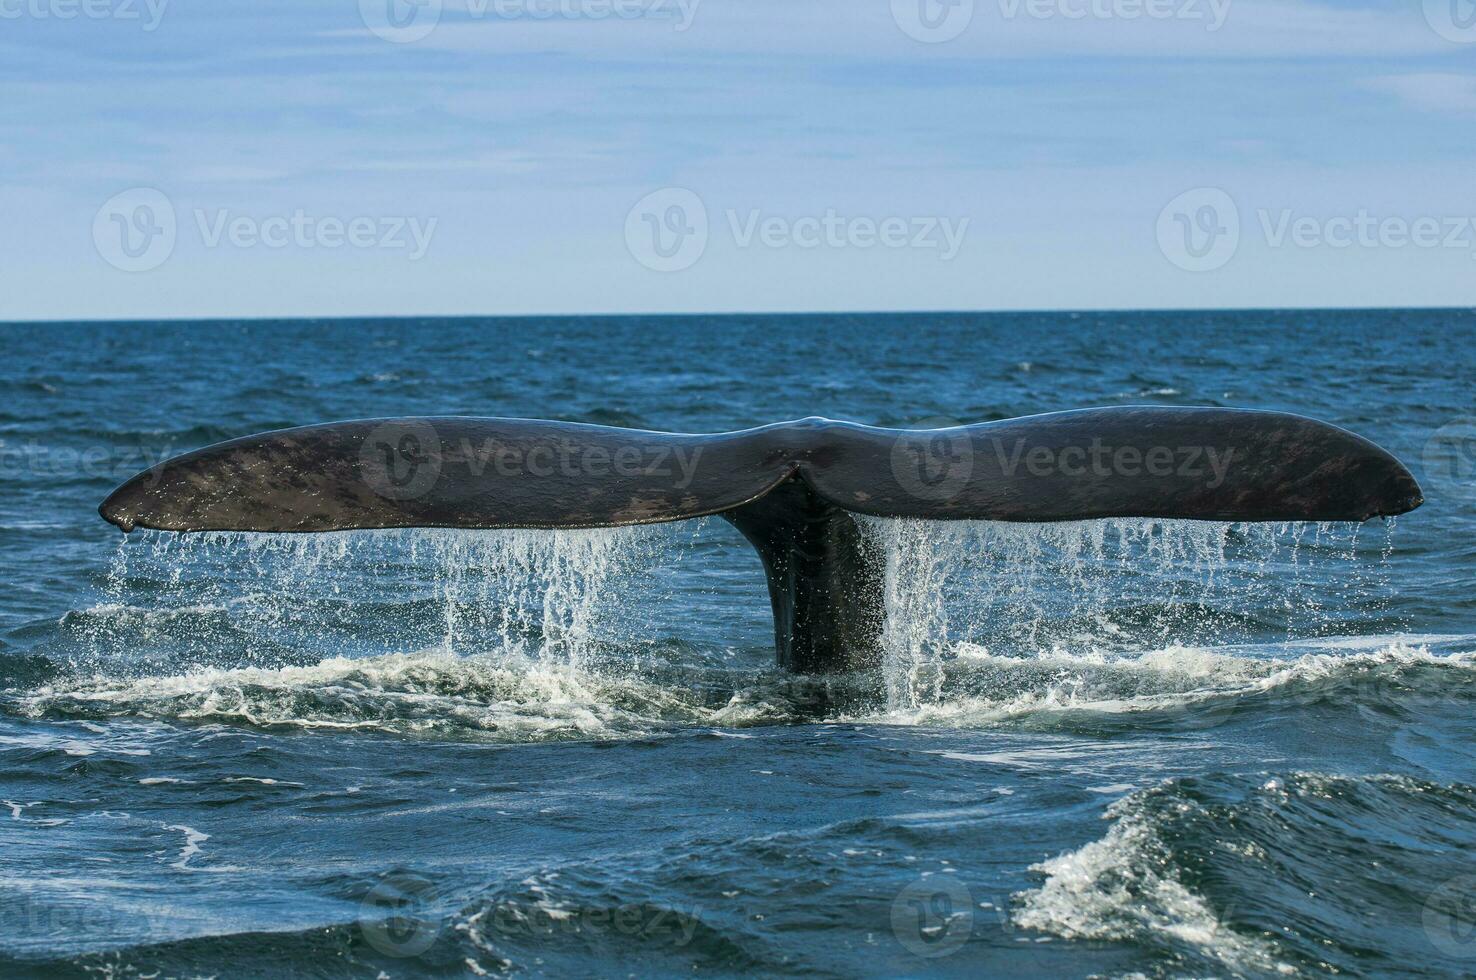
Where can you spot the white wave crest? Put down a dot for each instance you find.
(1207, 685)
(1123, 887)
(429, 693)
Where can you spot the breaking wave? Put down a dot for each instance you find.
(516, 698)
(1273, 874)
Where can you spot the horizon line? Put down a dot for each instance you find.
(216, 318)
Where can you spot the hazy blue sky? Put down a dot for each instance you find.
(846, 154)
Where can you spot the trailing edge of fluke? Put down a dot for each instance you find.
(789, 488)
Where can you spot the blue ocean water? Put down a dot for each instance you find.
(1104, 748)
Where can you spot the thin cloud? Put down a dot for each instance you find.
(1442, 92)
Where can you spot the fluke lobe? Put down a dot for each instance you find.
(790, 488)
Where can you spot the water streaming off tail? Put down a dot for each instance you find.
(1111, 587)
(226, 599)
(593, 599)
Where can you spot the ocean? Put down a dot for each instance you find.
(1107, 748)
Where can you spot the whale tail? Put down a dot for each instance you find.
(790, 488)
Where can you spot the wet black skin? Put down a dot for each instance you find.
(790, 488)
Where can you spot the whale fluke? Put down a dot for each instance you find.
(790, 488)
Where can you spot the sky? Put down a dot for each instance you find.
(248, 158)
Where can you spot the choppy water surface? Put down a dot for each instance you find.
(1116, 748)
